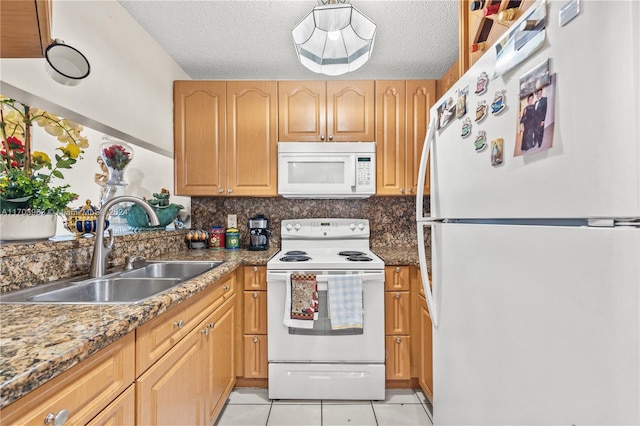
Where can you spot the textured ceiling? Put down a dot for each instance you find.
(240, 40)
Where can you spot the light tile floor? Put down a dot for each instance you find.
(252, 407)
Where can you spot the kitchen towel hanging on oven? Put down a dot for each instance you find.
(345, 301)
(301, 303)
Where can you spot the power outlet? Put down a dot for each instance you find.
(232, 221)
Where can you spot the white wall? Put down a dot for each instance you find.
(128, 95)
(130, 87)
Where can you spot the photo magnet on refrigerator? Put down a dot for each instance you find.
(461, 104)
(497, 152)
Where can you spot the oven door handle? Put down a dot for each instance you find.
(375, 276)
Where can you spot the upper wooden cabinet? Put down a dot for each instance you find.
(326, 111)
(252, 146)
(199, 110)
(225, 138)
(25, 28)
(402, 119)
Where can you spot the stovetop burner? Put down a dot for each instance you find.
(359, 258)
(351, 253)
(295, 253)
(294, 258)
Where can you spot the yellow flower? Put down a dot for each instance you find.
(40, 157)
(71, 149)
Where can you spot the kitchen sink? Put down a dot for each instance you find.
(181, 270)
(108, 290)
(133, 286)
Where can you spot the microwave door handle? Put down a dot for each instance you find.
(353, 171)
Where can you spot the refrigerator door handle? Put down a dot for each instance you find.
(422, 171)
(424, 273)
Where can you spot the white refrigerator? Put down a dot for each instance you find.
(535, 241)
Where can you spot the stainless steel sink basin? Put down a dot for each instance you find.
(108, 290)
(181, 270)
(150, 279)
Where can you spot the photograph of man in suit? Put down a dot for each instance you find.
(540, 113)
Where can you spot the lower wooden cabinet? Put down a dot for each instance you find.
(254, 325)
(397, 308)
(81, 393)
(190, 383)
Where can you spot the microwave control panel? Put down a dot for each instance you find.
(365, 171)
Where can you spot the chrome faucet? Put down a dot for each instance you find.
(101, 251)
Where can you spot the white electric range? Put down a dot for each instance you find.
(321, 362)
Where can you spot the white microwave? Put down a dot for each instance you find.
(326, 169)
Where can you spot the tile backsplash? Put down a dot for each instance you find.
(392, 219)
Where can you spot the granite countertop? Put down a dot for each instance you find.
(38, 342)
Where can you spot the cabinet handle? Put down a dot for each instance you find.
(255, 269)
(226, 288)
(398, 340)
(229, 190)
(402, 190)
(410, 190)
(255, 339)
(330, 137)
(398, 269)
(57, 419)
(205, 331)
(321, 137)
(220, 190)
(178, 324)
(397, 295)
(255, 295)
(211, 325)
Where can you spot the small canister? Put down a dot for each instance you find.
(233, 239)
(216, 238)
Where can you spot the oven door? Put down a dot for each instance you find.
(322, 344)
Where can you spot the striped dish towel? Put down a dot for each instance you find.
(345, 301)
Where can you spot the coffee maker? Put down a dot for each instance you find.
(258, 232)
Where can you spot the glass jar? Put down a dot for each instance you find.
(116, 156)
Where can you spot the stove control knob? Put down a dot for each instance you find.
(361, 226)
(289, 227)
(352, 226)
(297, 226)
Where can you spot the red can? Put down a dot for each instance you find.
(216, 238)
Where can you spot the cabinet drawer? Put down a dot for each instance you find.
(255, 312)
(255, 278)
(397, 312)
(157, 336)
(397, 278)
(83, 391)
(255, 356)
(398, 363)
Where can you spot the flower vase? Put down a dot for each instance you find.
(116, 155)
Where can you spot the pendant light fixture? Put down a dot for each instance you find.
(334, 38)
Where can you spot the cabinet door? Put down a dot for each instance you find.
(199, 109)
(421, 96)
(255, 312)
(390, 137)
(256, 364)
(350, 111)
(219, 352)
(397, 312)
(25, 28)
(425, 367)
(171, 391)
(302, 109)
(398, 363)
(252, 138)
(122, 411)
